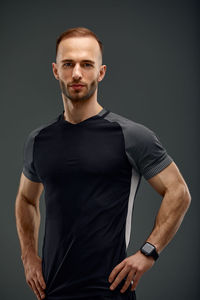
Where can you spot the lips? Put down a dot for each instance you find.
(77, 86)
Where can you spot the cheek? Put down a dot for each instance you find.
(92, 77)
(64, 74)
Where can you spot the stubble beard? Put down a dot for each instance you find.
(76, 95)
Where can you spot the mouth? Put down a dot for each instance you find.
(77, 86)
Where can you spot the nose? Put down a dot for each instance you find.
(76, 72)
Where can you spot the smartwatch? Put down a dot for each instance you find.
(149, 250)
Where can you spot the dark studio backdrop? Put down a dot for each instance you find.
(151, 49)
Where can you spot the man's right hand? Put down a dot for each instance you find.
(34, 277)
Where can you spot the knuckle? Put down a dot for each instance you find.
(39, 272)
(40, 291)
(126, 260)
(28, 280)
(40, 278)
(140, 270)
(127, 268)
(129, 264)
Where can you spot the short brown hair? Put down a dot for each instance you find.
(78, 32)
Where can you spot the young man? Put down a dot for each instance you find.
(90, 161)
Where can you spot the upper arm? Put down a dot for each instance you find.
(145, 151)
(154, 163)
(29, 190)
(169, 179)
(30, 187)
(29, 168)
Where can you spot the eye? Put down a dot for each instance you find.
(88, 65)
(67, 64)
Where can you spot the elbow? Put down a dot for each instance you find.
(181, 194)
(186, 196)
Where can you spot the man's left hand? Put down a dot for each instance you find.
(131, 267)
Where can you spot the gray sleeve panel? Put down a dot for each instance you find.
(28, 153)
(143, 148)
(28, 161)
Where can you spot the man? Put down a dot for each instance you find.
(90, 161)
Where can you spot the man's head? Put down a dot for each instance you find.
(78, 61)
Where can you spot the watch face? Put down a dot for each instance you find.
(148, 248)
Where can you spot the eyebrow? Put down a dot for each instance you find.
(84, 60)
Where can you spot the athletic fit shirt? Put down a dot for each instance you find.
(91, 172)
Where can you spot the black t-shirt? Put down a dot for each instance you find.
(91, 172)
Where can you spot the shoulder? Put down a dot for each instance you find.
(36, 131)
(133, 131)
(143, 147)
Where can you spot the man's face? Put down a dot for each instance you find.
(78, 62)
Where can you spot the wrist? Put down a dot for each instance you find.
(149, 250)
(27, 255)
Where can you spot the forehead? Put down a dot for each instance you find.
(78, 48)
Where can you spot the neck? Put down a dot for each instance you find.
(76, 112)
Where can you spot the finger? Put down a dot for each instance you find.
(35, 289)
(41, 280)
(119, 278)
(128, 281)
(39, 288)
(116, 270)
(30, 285)
(136, 281)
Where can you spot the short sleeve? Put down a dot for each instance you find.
(151, 156)
(28, 158)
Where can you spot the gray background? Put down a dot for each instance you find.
(152, 58)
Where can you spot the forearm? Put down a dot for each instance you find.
(28, 222)
(169, 218)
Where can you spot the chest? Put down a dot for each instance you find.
(79, 153)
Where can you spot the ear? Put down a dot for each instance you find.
(102, 72)
(55, 70)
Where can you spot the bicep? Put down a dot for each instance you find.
(30, 186)
(30, 190)
(168, 179)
